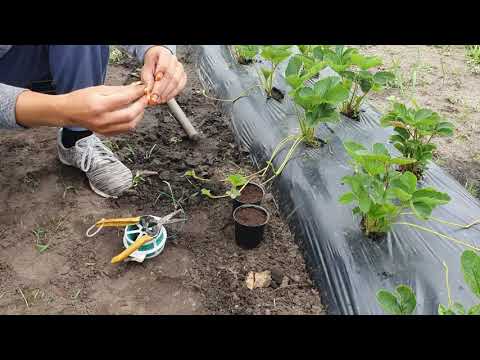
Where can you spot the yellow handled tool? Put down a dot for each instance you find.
(131, 249)
(150, 225)
(118, 222)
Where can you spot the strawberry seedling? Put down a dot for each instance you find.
(415, 128)
(361, 77)
(275, 55)
(314, 104)
(319, 104)
(358, 75)
(381, 193)
(401, 302)
(237, 183)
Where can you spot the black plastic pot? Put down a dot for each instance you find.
(236, 202)
(249, 236)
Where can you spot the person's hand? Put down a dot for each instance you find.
(107, 110)
(163, 75)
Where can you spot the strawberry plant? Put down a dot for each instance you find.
(338, 58)
(319, 103)
(300, 69)
(236, 182)
(313, 52)
(403, 301)
(381, 193)
(362, 79)
(245, 53)
(358, 75)
(415, 128)
(274, 55)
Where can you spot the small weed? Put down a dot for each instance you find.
(112, 145)
(69, 188)
(149, 153)
(473, 53)
(131, 152)
(138, 179)
(40, 237)
(39, 233)
(407, 82)
(42, 248)
(75, 297)
(116, 56)
(398, 81)
(473, 188)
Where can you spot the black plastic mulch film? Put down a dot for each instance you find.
(347, 267)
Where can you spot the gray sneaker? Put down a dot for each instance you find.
(107, 176)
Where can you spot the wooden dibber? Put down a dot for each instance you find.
(180, 116)
(183, 120)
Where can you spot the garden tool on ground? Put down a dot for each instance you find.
(149, 227)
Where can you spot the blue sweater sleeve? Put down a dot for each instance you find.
(8, 101)
(138, 51)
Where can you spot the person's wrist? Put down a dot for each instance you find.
(60, 107)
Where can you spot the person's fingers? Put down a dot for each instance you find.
(160, 86)
(112, 89)
(164, 63)
(123, 96)
(148, 71)
(173, 84)
(178, 89)
(124, 115)
(122, 128)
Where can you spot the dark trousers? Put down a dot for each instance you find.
(56, 69)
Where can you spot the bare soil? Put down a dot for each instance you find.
(49, 266)
(250, 216)
(441, 78)
(252, 194)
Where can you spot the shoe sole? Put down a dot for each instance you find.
(94, 189)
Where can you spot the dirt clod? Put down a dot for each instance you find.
(258, 280)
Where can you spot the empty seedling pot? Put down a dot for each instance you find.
(251, 194)
(250, 221)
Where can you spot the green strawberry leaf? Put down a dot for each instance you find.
(237, 180)
(347, 198)
(407, 298)
(389, 302)
(471, 270)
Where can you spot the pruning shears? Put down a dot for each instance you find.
(150, 227)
